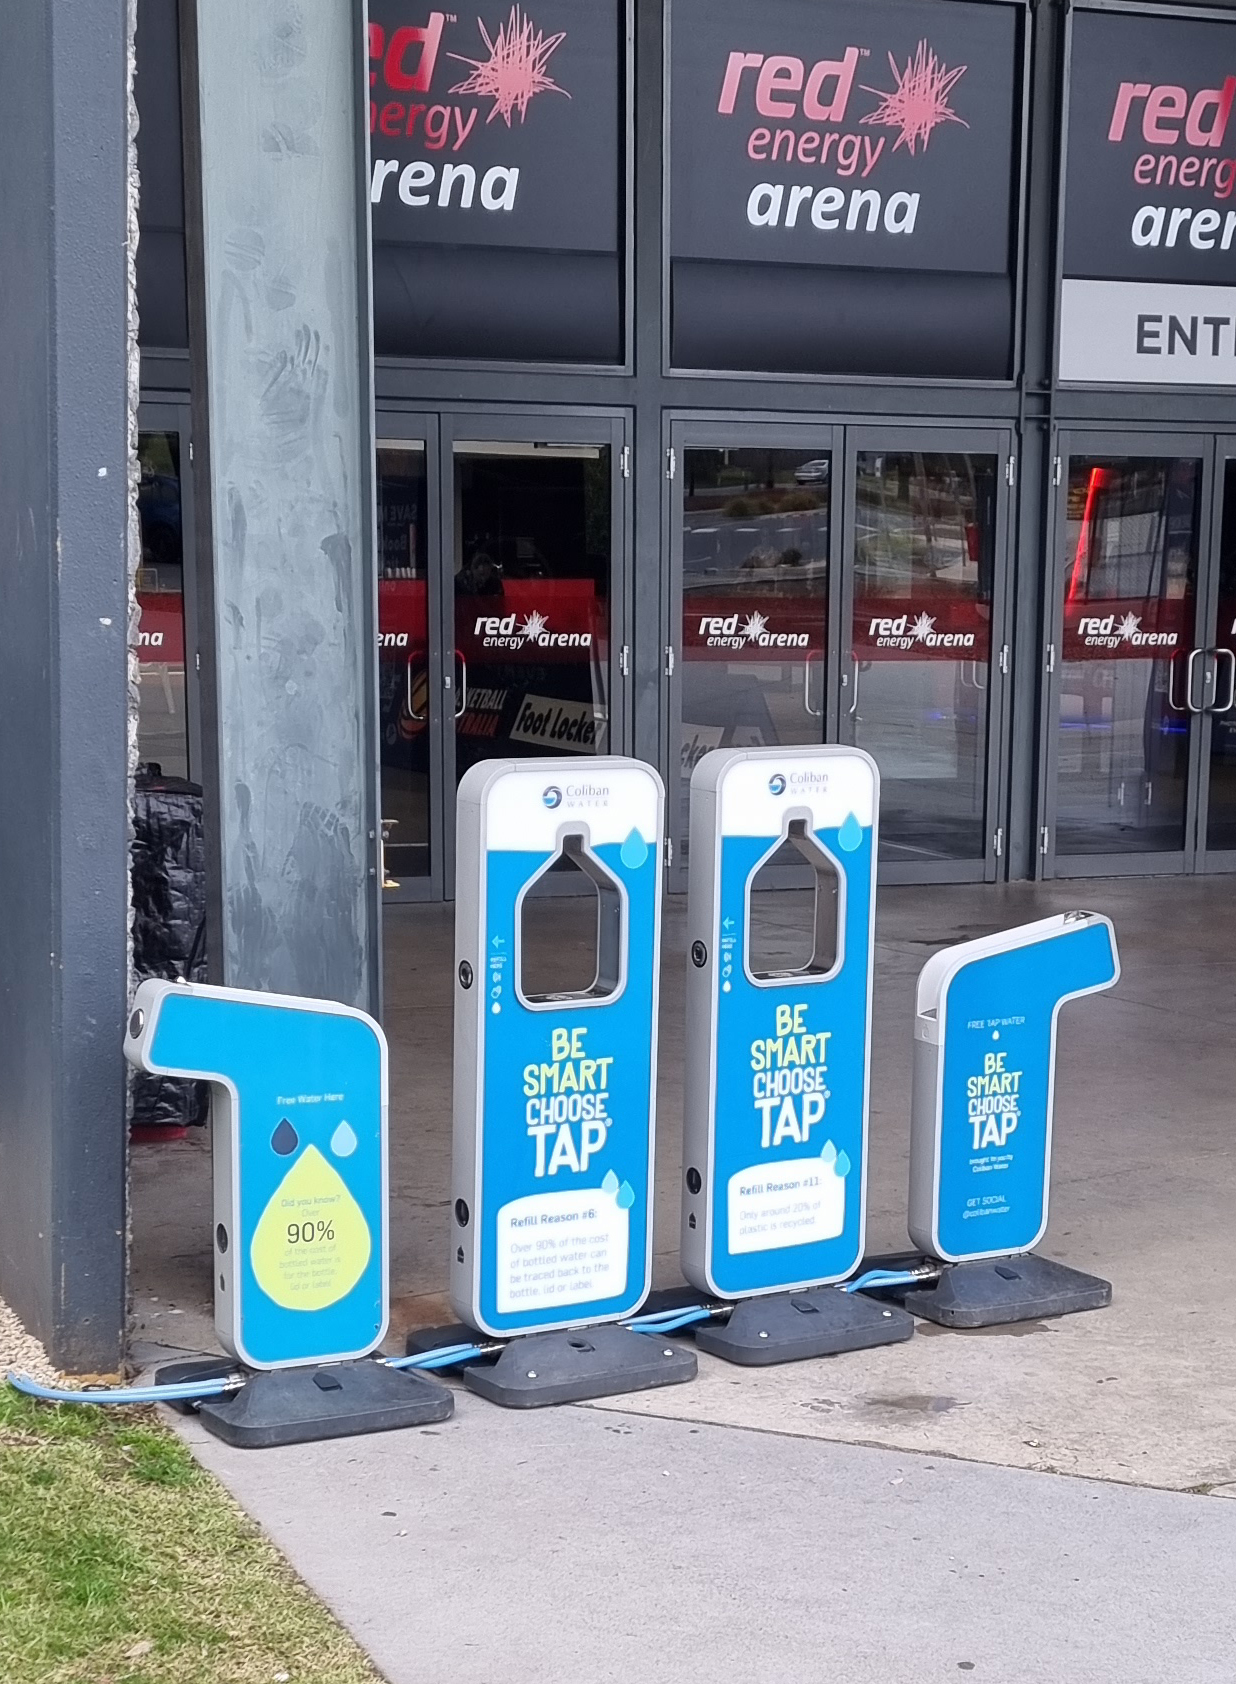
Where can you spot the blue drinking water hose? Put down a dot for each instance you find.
(657, 1324)
(875, 1278)
(184, 1392)
(196, 1391)
(447, 1356)
(669, 1321)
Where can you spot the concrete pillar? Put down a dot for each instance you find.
(67, 463)
(275, 112)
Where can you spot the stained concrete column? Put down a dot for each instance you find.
(67, 467)
(275, 104)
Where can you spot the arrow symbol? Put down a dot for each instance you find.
(727, 923)
(498, 941)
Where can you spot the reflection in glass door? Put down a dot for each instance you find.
(164, 593)
(1128, 678)
(920, 681)
(756, 545)
(404, 688)
(1220, 693)
(533, 558)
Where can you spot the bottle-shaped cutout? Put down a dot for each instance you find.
(312, 1243)
(794, 908)
(571, 927)
(285, 1139)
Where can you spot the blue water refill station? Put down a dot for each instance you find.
(299, 1123)
(554, 1091)
(982, 1118)
(778, 1054)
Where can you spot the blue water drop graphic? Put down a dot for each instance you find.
(829, 1154)
(842, 1166)
(626, 1196)
(610, 1184)
(284, 1140)
(634, 851)
(850, 836)
(344, 1142)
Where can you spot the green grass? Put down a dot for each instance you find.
(123, 1562)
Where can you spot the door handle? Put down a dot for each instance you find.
(463, 686)
(412, 713)
(1171, 681)
(1190, 703)
(853, 707)
(816, 713)
(388, 882)
(1230, 656)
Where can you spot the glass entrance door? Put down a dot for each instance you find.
(1129, 677)
(752, 558)
(501, 612)
(1215, 683)
(925, 657)
(847, 585)
(409, 659)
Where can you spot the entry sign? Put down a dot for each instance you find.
(984, 1081)
(777, 1063)
(554, 1093)
(300, 1168)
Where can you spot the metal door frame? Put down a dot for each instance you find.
(173, 415)
(605, 428)
(1096, 441)
(964, 440)
(742, 432)
(405, 427)
(1206, 859)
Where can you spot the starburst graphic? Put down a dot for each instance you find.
(514, 73)
(923, 627)
(919, 102)
(533, 626)
(1130, 624)
(755, 625)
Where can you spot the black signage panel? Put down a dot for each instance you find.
(501, 128)
(851, 141)
(1149, 289)
(861, 133)
(1151, 175)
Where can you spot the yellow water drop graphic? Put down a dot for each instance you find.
(313, 1243)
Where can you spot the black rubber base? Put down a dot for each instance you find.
(301, 1405)
(1007, 1289)
(789, 1326)
(585, 1362)
(195, 1369)
(424, 1339)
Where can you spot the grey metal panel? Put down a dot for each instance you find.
(67, 474)
(281, 329)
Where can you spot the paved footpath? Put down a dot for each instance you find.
(589, 1546)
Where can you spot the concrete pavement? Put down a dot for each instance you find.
(581, 1546)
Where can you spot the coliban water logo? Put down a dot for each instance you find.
(776, 784)
(552, 797)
